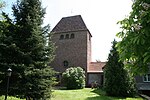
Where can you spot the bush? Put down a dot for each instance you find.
(74, 78)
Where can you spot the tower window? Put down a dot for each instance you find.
(67, 36)
(61, 37)
(66, 63)
(72, 36)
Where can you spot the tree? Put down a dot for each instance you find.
(7, 49)
(116, 80)
(34, 42)
(2, 4)
(135, 45)
(74, 78)
(28, 50)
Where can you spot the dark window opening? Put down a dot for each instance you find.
(61, 37)
(72, 36)
(147, 78)
(67, 36)
(66, 63)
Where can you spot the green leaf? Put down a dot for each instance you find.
(146, 59)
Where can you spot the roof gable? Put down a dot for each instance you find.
(72, 23)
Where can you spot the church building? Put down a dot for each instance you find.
(73, 49)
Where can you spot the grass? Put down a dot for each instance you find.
(10, 98)
(80, 94)
(85, 94)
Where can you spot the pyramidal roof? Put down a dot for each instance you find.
(71, 23)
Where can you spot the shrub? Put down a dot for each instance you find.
(74, 78)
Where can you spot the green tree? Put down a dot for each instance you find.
(116, 80)
(2, 4)
(74, 78)
(8, 51)
(34, 41)
(27, 48)
(135, 34)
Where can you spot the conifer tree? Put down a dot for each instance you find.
(33, 41)
(2, 4)
(8, 50)
(116, 81)
(31, 51)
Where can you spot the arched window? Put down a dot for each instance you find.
(61, 37)
(67, 36)
(72, 36)
(65, 63)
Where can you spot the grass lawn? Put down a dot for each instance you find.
(84, 94)
(80, 94)
(10, 98)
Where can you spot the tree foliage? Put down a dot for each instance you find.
(116, 80)
(26, 47)
(2, 4)
(135, 34)
(74, 78)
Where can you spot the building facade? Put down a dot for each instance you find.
(143, 83)
(73, 47)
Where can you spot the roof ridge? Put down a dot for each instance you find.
(72, 16)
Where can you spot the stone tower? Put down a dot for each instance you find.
(73, 41)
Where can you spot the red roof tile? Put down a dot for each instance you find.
(96, 67)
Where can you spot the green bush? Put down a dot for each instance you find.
(74, 78)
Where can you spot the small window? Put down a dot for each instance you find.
(66, 63)
(67, 36)
(61, 37)
(72, 36)
(146, 78)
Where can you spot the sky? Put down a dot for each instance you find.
(100, 17)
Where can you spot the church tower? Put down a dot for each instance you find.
(73, 41)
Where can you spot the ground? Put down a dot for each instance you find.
(10, 98)
(84, 94)
(79, 94)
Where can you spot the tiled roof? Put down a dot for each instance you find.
(72, 23)
(96, 67)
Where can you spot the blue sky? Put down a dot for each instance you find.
(100, 16)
